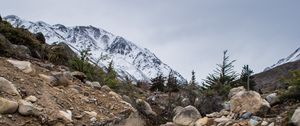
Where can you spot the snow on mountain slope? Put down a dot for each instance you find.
(129, 60)
(291, 58)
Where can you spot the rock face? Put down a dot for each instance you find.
(186, 116)
(236, 90)
(8, 106)
(296, 117)
(248, 101)
(7, 87)
(25, 66)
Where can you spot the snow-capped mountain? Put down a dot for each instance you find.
(129, 60)
(291, 58)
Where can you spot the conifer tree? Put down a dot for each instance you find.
(172, 84)
(158, 83)
(223, 77)
(111, 76)
(246, 78)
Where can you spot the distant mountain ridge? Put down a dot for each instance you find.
(295, 56)
(129, 60)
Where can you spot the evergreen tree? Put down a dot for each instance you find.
(223, 77)
(158, 83)
(0, 18)
(172, 84)
(246, 78)
(111, 76)
(193, 88)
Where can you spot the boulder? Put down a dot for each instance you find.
(187, 116)
(115, 95)
(201, 122)
(24, 66)
(8, 106)
(236, 90)
(31, 98)
(272, 98)
(296, 117)
(8, 87)
(105, 88)
(145, 106)
(93, 84)
(21, 51)
(27, 108)
(79, 75)
(248, 101)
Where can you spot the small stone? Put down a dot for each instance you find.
(65, 115)
(91, 114)
(26, 108)
(264, 123)
(272, 124)
(246, 115)
(93, 119)
(9, 116)
(31, 98)
(253, 122)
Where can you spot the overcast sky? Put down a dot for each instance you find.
(185, 34)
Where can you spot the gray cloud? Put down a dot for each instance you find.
(186, 34)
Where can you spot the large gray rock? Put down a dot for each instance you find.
(296, 117)
(25, 66)
(27, 108)
(248, 101)
(145, 106)
(272, 98)
(8, 87)
(236, 90)
(187, 116)
(8, 106)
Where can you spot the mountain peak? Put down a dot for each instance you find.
(295, 56)
(130, 60)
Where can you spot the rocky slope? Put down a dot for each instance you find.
(129, 59)
(38, 93)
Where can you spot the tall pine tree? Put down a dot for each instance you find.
(223, 76)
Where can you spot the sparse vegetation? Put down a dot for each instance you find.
(293, 91)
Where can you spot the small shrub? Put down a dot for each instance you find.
(293, 92)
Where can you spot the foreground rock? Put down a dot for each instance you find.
(272, 98)
(248, 101)
(25, 66)
(145, 106)
(186, 116)
(7, 87)
(296, 117)
(26, 108)
(8, 106)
